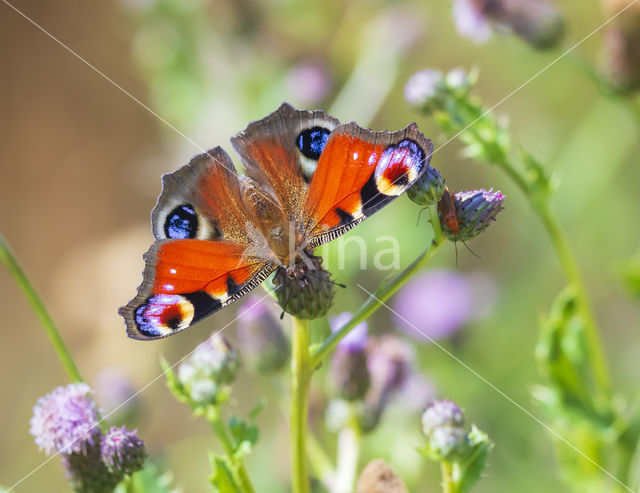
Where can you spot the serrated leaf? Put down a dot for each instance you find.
(469, 470)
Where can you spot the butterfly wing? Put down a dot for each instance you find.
(207, 253)
(187, 280)
(359, 172)
(281, 152)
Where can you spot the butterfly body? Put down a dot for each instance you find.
(308, 179)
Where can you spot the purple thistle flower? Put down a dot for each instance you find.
(423, 88)
(437, 303)
(349, 361)
(537, 22)
(470, 21)
(475, 210)
(88, 473)
(441, 413)
(262, 342)
(65, 420)
(122, 451)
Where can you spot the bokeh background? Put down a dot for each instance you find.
(80, 167)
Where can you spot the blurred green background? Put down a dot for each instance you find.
(80, 171)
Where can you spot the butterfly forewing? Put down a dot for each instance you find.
(359, 172)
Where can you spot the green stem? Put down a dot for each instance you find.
(540, 206)
(300, 382)
(448, 483)
(567, 259)
(214, 417)
(386, 289)
(9, 259)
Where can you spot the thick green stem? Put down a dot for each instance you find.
(448, 483)
(9, 259)
(386, 289)
(300, 381)
(214, 417)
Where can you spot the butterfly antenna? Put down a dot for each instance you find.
(471, 251)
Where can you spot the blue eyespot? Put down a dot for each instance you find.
(311, 142)
(181, 223)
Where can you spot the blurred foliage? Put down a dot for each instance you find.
(209, 68)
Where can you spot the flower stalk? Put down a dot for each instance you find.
(214, 417)
(459, 115)
(300, 382)
(10, 261)
(385, 290)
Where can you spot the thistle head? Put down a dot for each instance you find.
(349, 361)
(122, 451)
(305, 289)
(472, 213)
(443, 426)
(65, 420)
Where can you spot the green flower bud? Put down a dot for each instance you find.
(428, 190)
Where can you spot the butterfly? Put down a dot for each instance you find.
(218, 234)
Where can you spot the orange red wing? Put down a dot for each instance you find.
(358, 173)
(186, 280)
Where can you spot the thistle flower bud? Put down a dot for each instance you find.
(537, 22)
(443, 426)
(122, 451)
(428, 190)
(474, 211)
(621, 41)
(424, 88)
(441, 413)
(87, 472)
(262, 341)
(306, 290)
(389, 362)
(213, 364)
(65, 420)
(349, 361)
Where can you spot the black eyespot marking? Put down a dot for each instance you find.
(311, 142)
(181, 223)
(232, 286)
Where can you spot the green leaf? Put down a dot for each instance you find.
(469, 470)
(223, 478)
(176, 388)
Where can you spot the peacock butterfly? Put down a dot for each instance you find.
(219, 234)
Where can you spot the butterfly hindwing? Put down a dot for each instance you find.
(187, 280)
(359, 172)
